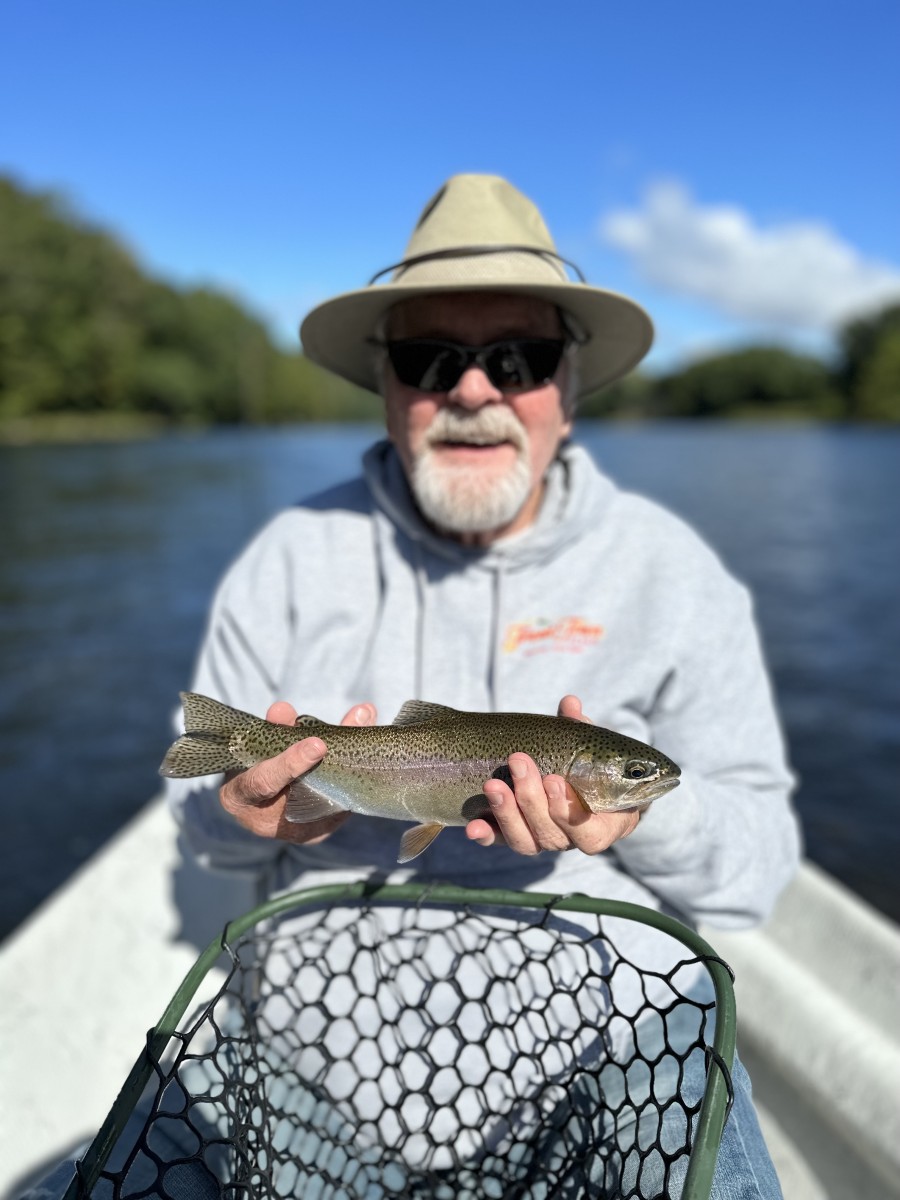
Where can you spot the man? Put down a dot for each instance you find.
(483, 562)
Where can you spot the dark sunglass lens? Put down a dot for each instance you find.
(523, 364)
(428, 366)
(444, 372)
(507, 367)
(514, 365)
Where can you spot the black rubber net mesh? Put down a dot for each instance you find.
(389, 1051)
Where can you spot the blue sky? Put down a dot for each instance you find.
(734, 168)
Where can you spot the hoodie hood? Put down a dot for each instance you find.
(574, 499)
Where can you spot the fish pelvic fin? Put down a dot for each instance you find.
(305, 804)
(417, 840)
(204, 748)
(417, 712)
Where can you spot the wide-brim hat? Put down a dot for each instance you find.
(480, 234)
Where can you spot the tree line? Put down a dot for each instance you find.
(768, 381)
(86, 332)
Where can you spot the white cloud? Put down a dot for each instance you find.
(800, 274)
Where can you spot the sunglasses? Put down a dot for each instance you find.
(513, 365)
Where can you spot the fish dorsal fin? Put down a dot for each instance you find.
(417, 840)
(419, 712)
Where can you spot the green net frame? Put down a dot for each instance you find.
(251, 1137)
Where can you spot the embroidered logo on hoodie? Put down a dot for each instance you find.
(567, 635)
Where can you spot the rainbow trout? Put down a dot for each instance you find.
(428, 766)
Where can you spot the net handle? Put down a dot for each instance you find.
(714, 1107)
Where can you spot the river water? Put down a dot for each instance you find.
(109, 554)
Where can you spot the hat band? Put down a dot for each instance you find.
(471, 251)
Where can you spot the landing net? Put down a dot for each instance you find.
(437, 1042)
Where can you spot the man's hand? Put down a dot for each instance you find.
(544, 813)
(256, 797)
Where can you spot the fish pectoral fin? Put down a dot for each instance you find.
(305, 804)
(418, 712)
(417, 840)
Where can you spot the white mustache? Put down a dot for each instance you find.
(486, 426)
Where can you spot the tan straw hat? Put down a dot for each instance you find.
(479, 233)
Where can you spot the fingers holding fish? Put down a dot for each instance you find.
(534, 797)
(538, 814)
(281, 713)
(257, 796)
(545, 813)
(360, 714)
(589, 832)
(522, 812)
(570, 706)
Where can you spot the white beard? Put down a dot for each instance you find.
(459, 498)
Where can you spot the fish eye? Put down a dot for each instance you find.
(635, 769)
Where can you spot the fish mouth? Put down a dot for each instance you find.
(654, 788)
(636, 797)
(640, 797)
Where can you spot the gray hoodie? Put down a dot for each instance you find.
(350, 597)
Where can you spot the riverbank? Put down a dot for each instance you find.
(80, 428)
(72, 428)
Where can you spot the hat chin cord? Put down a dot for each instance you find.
(471, 252)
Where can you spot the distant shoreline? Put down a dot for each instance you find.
(79, 428)
(83, 428)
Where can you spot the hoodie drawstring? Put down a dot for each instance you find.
(421, 576)
(496, 634)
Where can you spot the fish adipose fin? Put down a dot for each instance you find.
(308, 722)
(417, 712)
(417, 840)
(305, 804)
(204, 747)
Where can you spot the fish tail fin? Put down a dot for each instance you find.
(205, 746)
(203, 715)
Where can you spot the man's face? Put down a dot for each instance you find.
(475, 456)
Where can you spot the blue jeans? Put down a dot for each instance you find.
(744, 1170)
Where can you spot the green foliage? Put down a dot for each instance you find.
(766, 382)
(86, 335)
(84, 331)
(298, 389)
(760, 381)
(636, 397)
(67, 292)
(870, 370)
